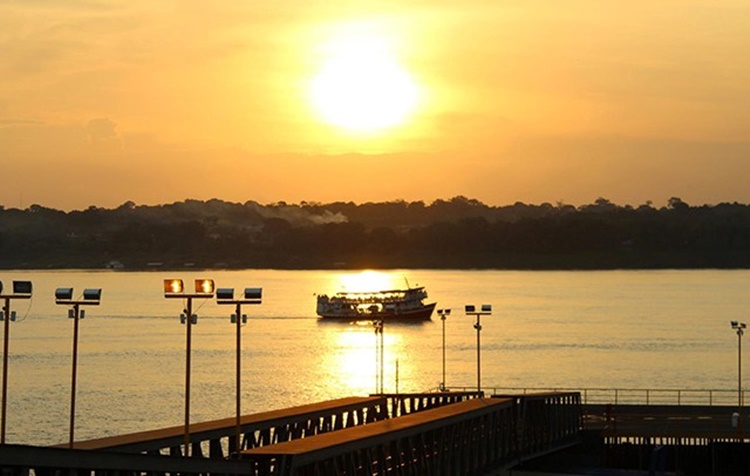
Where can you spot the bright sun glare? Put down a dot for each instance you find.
(361, 87)
(367, 281)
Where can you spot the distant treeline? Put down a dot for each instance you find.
(457, 233)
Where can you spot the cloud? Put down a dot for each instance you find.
(101, 129)
(10, 121)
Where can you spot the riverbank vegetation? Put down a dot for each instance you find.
(455, 233)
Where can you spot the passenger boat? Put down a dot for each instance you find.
(393, 305)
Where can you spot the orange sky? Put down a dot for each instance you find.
(102, 102)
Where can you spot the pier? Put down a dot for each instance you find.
(440, 433)
(437, 433)
(215, 438)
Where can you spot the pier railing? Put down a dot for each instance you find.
(400, 404)
(631, 396)
(22, 460)
(216, 439)
(469, 437)
(440, 434)
(545, 421)
(472, 436)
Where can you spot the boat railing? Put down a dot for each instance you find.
(630, 396)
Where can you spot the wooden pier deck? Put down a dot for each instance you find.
(400, 434)
(257, 429)
(626, 422)
(657, 439)
(439, 433)
(434, 441)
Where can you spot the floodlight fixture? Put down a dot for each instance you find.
(92, 294)
(225, 294)
(249, 296)
(63, 294)
(484, 309)
(173, 286)
(21, 288)
(204, 286)
(253, 293)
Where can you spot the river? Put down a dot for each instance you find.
(581, 329)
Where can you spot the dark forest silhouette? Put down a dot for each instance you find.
(457, 233)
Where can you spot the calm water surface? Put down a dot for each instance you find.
(611, 329)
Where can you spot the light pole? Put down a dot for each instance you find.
(174, 289)
(471, 310)
(226, 296)
(443, 313)
(378, 325)
(740, 328)
(64, 297)
(21, 290)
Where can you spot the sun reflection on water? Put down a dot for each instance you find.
(350, 359)
(354, 359)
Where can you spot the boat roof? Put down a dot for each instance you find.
(370, 293)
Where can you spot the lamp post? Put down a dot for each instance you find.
(64, 297)
(485, 310)
(443, 313)
(226, 296)
(740, 328)
(21, 290)
(174, 289)
(378, 325)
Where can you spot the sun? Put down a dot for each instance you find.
(368, 281)
(361, 87)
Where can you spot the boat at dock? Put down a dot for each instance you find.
(394, 305)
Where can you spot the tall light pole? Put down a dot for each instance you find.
(226, 296)
(378, 325)
(485, 310)
(740, 328)
(174, 289)
(382, 357)
(21, 290)
(64, 297)
(443, 313)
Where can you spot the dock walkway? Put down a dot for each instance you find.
(258, 429)
(442, 433)
(462, 438)
(627, 422)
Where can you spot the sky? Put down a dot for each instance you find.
(156, 101)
